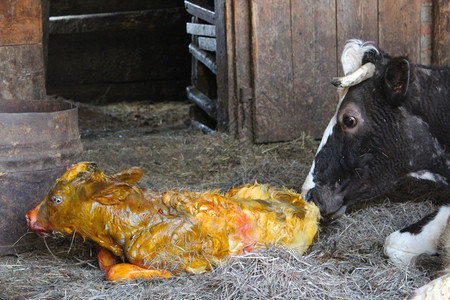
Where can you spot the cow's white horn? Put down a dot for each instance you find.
(364, 72)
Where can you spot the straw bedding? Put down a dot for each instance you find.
(345, 262)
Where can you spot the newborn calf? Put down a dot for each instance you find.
(164, 234)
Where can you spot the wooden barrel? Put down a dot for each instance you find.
(39, 139)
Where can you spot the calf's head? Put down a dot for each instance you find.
(368, 144)
(68, 205)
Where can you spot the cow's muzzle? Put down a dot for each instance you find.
(329, 203)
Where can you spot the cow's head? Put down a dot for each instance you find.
(367, 145)
(70, 204)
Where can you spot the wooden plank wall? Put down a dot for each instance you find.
(242, 24)
(226, 100)
(295, 49)
(21, 53)
(313, 95)
(441, 32)
(272, 61)
(399, 27)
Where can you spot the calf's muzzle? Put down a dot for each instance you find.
(34, 223)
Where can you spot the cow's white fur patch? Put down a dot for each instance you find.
(353, 53)
(309, 181)
(403, 247)
(427, 175)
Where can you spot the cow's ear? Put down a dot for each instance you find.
(130, 176)
(107, 192)
(396, 81)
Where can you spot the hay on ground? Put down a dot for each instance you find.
(345, 262)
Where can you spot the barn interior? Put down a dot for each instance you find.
(212, 94)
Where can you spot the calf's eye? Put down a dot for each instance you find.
(57, 200)
(349, 121)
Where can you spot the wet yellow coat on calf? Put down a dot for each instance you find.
(174, 231)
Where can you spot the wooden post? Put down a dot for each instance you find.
(226, 113)
(441, 32)
(21, 52)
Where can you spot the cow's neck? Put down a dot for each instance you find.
(428, 110)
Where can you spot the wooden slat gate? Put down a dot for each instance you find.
(275, 58)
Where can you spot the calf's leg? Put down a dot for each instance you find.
(124, 271)
(106, 259)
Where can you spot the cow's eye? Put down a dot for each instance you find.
(349, 121)
(57, 200)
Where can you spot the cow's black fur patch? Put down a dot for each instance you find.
(417, 227)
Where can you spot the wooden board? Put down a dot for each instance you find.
(314, 61)
(244, 112)
(208, 105)
(208, 44)
(399, 28)
(206, 58)
(78, 7)
(441, 40)
(200, 12)
(273, 78)
(224, 60)
(201, 29)
(22, 72)
(160, 19)
(20, 22)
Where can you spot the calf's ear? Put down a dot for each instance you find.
(109, 192)
(396, 81)
(130, 176)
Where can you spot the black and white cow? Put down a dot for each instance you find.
(392, 120)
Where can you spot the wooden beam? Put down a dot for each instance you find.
(204, 102)
(119, 21)
(206, 58)
(441, 32)
(201, 127)
(201, 12)
(242, 75)
(201, 29)
(22, 72)
(208, 44)
(226, 96)
(79, 7)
